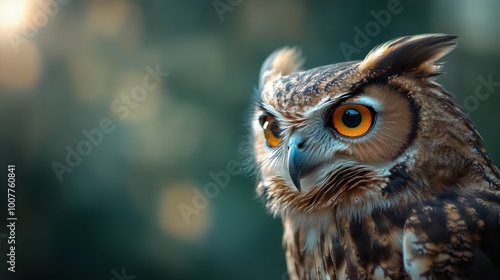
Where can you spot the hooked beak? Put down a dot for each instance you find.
(299, 162)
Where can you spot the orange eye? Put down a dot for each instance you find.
(352, 120)
(272, 131)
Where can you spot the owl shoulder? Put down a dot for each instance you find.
(454, 235)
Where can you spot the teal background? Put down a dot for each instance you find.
(119, 208)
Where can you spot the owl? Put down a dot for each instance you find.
(374, 170)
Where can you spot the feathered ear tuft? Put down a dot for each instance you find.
(281, 62)
(412, 54)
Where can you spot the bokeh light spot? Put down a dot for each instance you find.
(22, 70)
(12, 13)
(174, 222)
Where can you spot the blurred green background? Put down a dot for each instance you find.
(118, 212)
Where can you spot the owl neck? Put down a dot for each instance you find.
(357, 191)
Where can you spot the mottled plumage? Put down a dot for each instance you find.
(374, 169)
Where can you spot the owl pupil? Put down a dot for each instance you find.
(351, 118)
(275, 129)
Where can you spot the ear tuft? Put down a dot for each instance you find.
(281, 62)
(411, 54)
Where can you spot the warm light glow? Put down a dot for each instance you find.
(191, 225)
(12, 13)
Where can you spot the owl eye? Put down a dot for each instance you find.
(272, 131)
(352, 120)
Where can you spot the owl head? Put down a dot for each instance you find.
(359, 136)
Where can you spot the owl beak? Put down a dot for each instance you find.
(299, 164)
